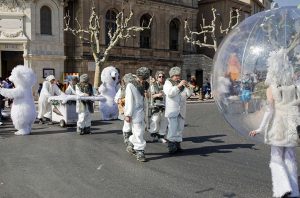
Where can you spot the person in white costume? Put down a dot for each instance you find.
(49, 88)
(23, 112)
(108, 89)
(71, 89)
(158, 122)
(134, 113)
(84, 108)
(176, 91)
(280, 123)
(120, 98)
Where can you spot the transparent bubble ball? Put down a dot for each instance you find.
(241, 65)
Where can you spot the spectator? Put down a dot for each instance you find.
(206, 91)
(40, 89)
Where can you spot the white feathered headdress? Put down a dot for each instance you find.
(280, 69)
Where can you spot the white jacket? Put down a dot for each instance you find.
(175, 100)
(134, 104)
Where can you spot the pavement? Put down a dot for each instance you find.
(55, 162)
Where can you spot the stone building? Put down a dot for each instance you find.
(31, 33)
(205, 55)
(159, 48)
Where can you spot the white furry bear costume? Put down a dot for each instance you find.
(108, 89)
(23, 112)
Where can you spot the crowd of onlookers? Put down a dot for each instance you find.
(203, 92)
(5, 83)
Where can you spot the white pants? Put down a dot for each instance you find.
(176, 126)
(84, 119)
(126, 127)
(158, 123)
(284, 171)
(137, 137)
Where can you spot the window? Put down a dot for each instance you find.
(110, 24)
(46, 20)
(174, 34)
(145, 35)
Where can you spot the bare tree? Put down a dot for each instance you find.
(209, 31)
(92, 35)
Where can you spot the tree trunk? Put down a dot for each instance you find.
(97, 77)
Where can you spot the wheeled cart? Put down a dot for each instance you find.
(64, 114)
(64, 107)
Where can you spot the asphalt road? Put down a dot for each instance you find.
(55, 162)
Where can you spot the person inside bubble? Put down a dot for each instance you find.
(233, 72)
(280, 122)
(247, 84)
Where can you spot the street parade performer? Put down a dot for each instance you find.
(84, 108)
(127, 78)
(44, 105)
(158, 122)
(71, 89)
(108, 89)
(134, 113)
(176, 91)
(280, 122)
(23, 112)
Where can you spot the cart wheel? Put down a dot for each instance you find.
(62, 123)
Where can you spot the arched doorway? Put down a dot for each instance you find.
(10, 59)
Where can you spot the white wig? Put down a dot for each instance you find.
(280, 69)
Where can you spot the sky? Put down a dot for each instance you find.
(287, 2)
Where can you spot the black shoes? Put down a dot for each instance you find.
(174, 147)
(82, 131)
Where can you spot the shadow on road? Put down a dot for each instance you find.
(108, 132)
(202, 151)
(100, 122)
(208, 138)
(204, 190)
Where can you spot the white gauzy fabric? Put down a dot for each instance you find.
(44, 105)
(283, 167)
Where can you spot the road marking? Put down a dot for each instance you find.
(99, 167)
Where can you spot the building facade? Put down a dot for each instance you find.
(205, 55)
(159, 48)
(31, 34)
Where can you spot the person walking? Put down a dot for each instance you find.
(177, 91)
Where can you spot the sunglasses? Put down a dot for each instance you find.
(160, 76)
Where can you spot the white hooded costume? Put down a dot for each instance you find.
(48, 90)
(134, 108)
(23, 112)
(280, 123)
(108, 89)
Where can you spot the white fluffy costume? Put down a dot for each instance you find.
(280, 123)
(48, 89)
(108, 89)
(23, 112)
